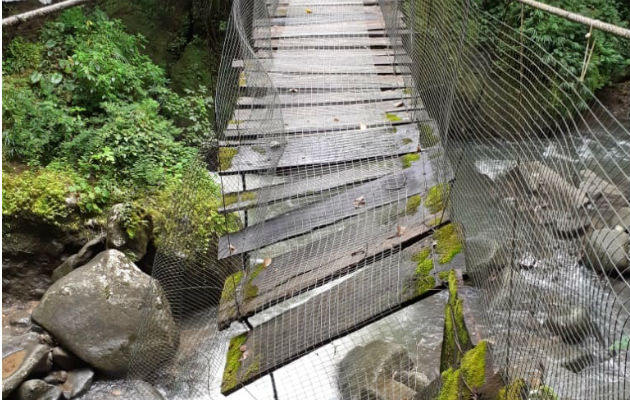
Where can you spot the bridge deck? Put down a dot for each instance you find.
(333, 184)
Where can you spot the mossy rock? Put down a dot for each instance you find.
(457, 383)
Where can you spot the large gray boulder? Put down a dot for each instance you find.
(377, 370)
(96, 311)
(607, 250)
(118, 237)
(121, 390)
(23, 356)
(550, 185)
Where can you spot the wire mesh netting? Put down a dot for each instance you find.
(365, 148)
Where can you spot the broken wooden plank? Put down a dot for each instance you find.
(373, 292)
(391, 188)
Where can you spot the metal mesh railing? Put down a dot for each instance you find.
(322, 107)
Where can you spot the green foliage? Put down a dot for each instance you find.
(565, 40)
(230, 285)
(36, 194)
(471, 374)
(392, 117)
(413, 202)
(409, 159)
(226, 154)
(423, 279)
(434, 201)
(94, 119)
(516, 390)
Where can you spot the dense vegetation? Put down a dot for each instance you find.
(565, 41)
(89, 120)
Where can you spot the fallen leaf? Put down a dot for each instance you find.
(336, 119)
(400, 230)
(266, 262)
(244, 355)
(116, 392)
(293, 90)
(359, 202)
(399, 104)
(308, 11)
(362, 126)
(232, 248)
(243, 348)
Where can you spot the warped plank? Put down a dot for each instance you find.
(327, 81)
(312, 180)
(389, 189)
(371, 293)
(331, 147)
(323, 259)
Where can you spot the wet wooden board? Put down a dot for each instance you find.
(311, 181)
(371, 293)
(323, 259)
(395, 187)
(372, 65)
(313, 98)
(328, 81)
(340, 28)
(315, 54)
(332, 147)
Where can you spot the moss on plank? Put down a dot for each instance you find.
(233, 363)
(230, 285)
(429, 138)
(424, 266)
(454, 328)
(435, 198)
(413, 202)
(226, 154)
(514, 391)
(456, 383)
(450, 385)
(250, 290)
(407, 90)
(409, 159)
(443, 275)
(448, 243)
(406, 141)
(260, 150)
(392, 117)
(232, 198)
(253, 368)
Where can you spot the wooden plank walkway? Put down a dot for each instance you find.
(353, 194)
(371, 293)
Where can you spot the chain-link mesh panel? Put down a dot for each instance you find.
(351, 133)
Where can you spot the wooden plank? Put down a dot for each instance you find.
(323, 259)
(319, 53)
(314, 98)
(327, 148)
(373, 292)
(327, 81)
(341, 64)
(357, 41)
(310, 29)
(388, 189)
(311, 181)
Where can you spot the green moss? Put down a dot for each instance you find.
(226, 154)
(514, 391)
(253, 367)
(435, 198)
(450, 385)
(448, 243)
(454, 328)
(230, 285)
(427, 135)
(408, 159)
(233, 363)
(232, 198)
(259, 150)
(406, 141)
(543, 392)
(443, 275)
(474, 365)
(407, 90)
(250, 290)
(413, 202)
(392, 117)
(423, 279)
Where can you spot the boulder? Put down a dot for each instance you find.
(547, 183)
(572, 326)
(56, 377)
(368, 372)
(607, 250)
(23, 356)
(96, 310)
(597, 187)
(119, 238)
(77, 383)
(89, 250)
(121, 390)
(36, 389)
